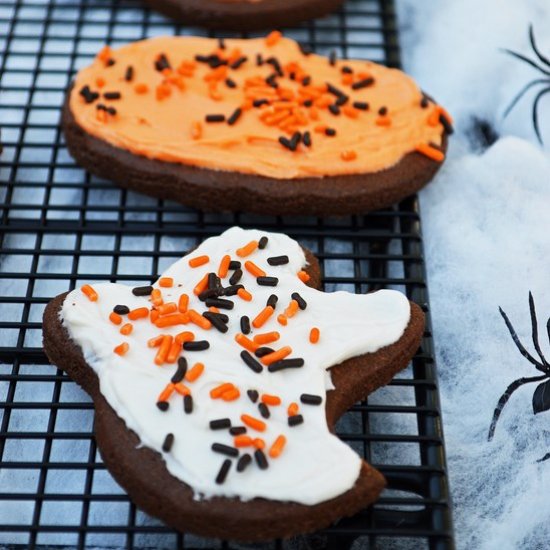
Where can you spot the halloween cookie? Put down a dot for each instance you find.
(216, 388)
(243, 15)
(253, 125)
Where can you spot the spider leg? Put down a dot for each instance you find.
(544, 59)
(535, 114)
(545, 457)
(521, 93)
(506, 396)
(519, 345)
(535, 331)
(526, 60)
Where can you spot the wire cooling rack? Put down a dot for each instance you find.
(61, 227)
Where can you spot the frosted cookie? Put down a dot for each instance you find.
(216, 389)
(254, 125)
(243, 15)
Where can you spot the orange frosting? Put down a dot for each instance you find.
(165, 102)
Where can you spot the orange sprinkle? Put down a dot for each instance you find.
(171, 320)
(247, 249)
(246, 343)
(164, 348)
(104, 54)
(348, 155)
(197, 319)
(272, 400)
(138, 313)
(259, 443)
(141, 89)
(100, 82)
(163, 91)
(277, 447)
(156, 297)
(155, 342)
(347, 79)
(320, 129)
(183, 303)
(350, 112)
(314, 335)
(115, 318)
(383, 121)
(263, 316)
(90, 293)
(292, 308)
(218, 391)
(166, 282)
(266, 337)
(276, 355)
(195, 372)
(174, 352)
(253, 423)
(430, 152)
(199, 260)
(166, 392)
(272, 38)
(182, 389)
(303, 276)
(213, 309)
(244, 294)
(283, 320)
(165, 309)
(183, 337)
(121, 349)
(154, 315)
(201, 285)
(224, 266)
(253, 269)
(126, 329)
(243, 441)
(231, 395)
(196, 130)
(293, 409)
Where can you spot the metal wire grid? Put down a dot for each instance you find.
(60, 228)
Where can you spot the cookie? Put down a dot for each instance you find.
(243, 15)
(214, 403)
(253, 125)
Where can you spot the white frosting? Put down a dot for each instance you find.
(314, 465)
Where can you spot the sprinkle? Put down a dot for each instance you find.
(129, 74)
(261, 460)
(232, 290)
(266, 337)
(90, 293)
(138, 313)
(231, 395)
(154, 315)
(383, 111)
(166, 393)
(272, 38)
(264, 411)
(303, 276)
(180, 372)
(264, 350)
(309, 399)
(295, 419)
(272, 301)
(163, 350)
(182, 389)
(171, 320)
(383, 121)
(224, 266)
(247, 249)
(267, 281)
(220, 424)
(254, 270)
(162, 63)
(220, 303)
(230, 83)
(259, 443)
(88, 95)
(251, 362)
(155, 342)
(243, 462)
(126, 329)
(332, 58)
(185, 336)
(277, 447)
(156, 297)
(253, 423)
(245, 342)
(195, 372)
(122, 349)
(198, 261)
(262, 317)
(188, 404)
(112, 95)
(141, 89)
(173, 353)
(243, 441)
(215, 118)
(330, 132)
(245, 295)
(365, 83)
(295, 363)
(115, 318)
(199, 320)
(218, 391)
(278, 260)
(142, 290)
(225, 449)
(331, 89)
(166, 309)
(245, 324)
(121, 310)
(168, 442)
(271, 400)
(216, 321)
(262, 243)
(234, 264)
(430, 152)
(334, 109)
(282, 319)
(237, 430)
(224, 470)
(236, 277)
(253, 395)
(348, 155)
(306, 139)
(292, 308)
(424, 102)
(314, 335)
(302, 304)
(163, 405)
(197, 345)
(276, 355)
(293, 409)
(235, 116)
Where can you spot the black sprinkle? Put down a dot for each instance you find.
(121, 310)
(224, 449)
(346, 70)
(235, 116)
(142, 290)
(286, 364)
(88, 95)
(251, 362)
(306, 81)
(295, 419)
(168, 442)
(264, 411)
(301, 302)
(221, 43)
(163, 405)
(215, 118)
(224, 470)
(361, 105)
(110, 62)
(217, 323)
(267, 281)
(243, 462)
(213, 281)
(365, 83)
(245, 325)
(274, 62)
(112, 95)
(234, 264)
(264, 350)
(260, 102)
(196, 345)
(129, 75)
(236, 277)
(308, 103)
(271, 80)
(209, 293)
(310, 399)
(285, 142)
(237, 430)
(342, 100)
(330, 132)
(180, 372)
(306, 139)
(334, 109)
(277, 260)
(220, 424)
(236, 64)
(304, 48)
(259, 60)
(221, 316)
(334, 90)
(262, 243)
(232, 290)
(253, 395)
(332, 58)
(383, 111)
(230, 83)
(272, 301)
(261, 460)
(162, 63)
(188, 404)
(424, 102)
(219, 303)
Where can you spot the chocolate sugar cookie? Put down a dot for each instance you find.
(253, 125)
(216, 389)
(243, 15)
